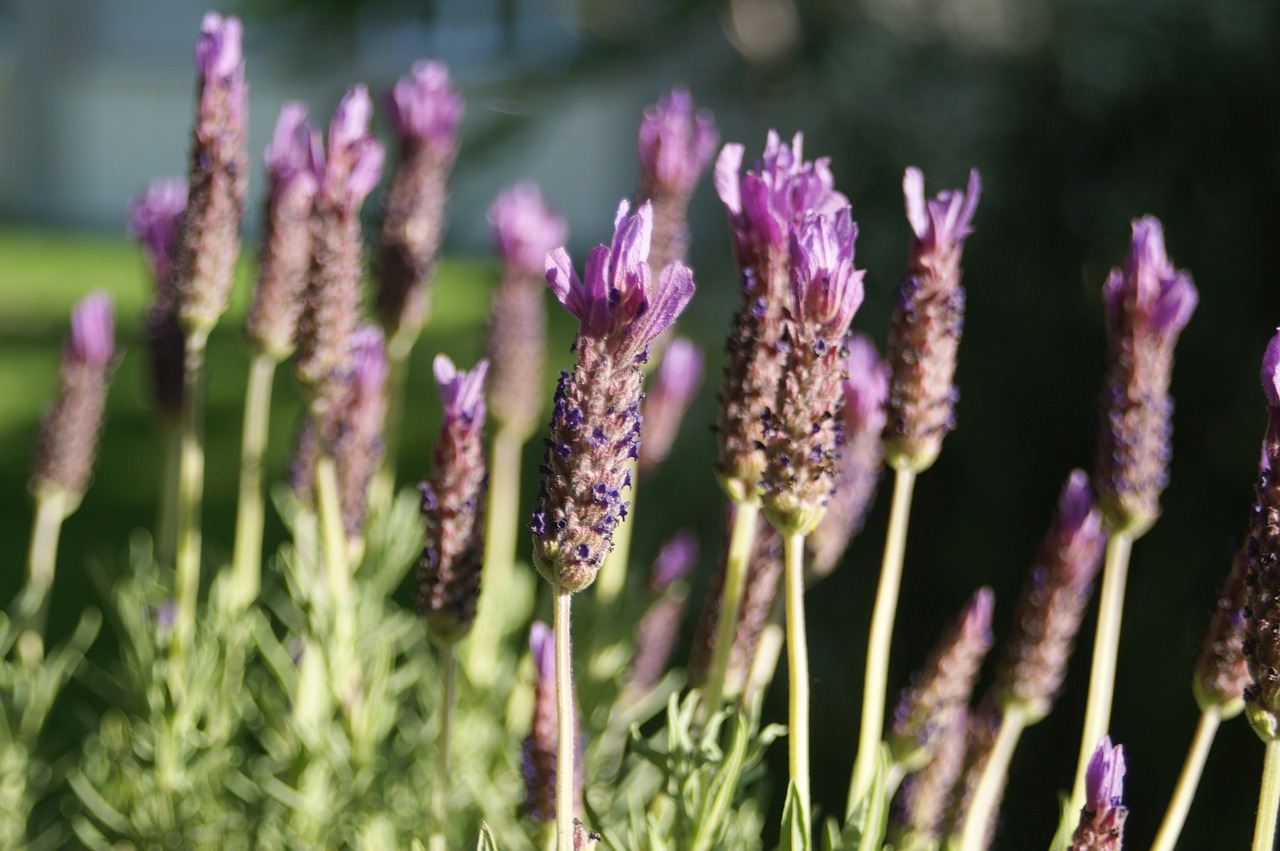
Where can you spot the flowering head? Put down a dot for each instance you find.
(826, 290)
(294, 153)
(939, 224)
(1103, 816)
(616, 302)
(1222, 670)
(525, 228)
(92, 338)
(154, 217)
(676, 558)
(218, 51)
(354, 163)
(674, 383)
(461, 394)
(866, 386)
(1149, 296)
(425, 110)
(676, 144)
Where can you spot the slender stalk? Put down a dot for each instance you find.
(564, 715)
(247, 563)
(384, 481)
(1180, 804)
(1102, 675)
(746, 516)
(501, 524)
(42, 557)
(613, 577)
(332, 535)
(167, 512)
(986, 797)
(1264, 831)
(882, 617)
(440, 791)
(190, 489)
(797, 669)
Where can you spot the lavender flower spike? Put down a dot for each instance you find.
(926, 709)
(524, 230)
(329, 313)
(453, 499)
(358, 445)
(291, 162)
(540, 745)
(1102, 819)
(924, 333)
(218, 179)
(804, 435)
(1262, 550)
(676, 380)
(154, 220)
(1052, 604)
(676, 145)
(1148, 304)
(866, 386)
(425, 112)
(595, 427)
(67, 444)
(1222, 669)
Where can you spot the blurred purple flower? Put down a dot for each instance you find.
(525, 228)
(672, 388)
(424, 109)
(676, 144)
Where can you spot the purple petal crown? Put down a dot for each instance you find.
(675, 145)
(425, 109)
(942, 223)
(1103, 816)
(615, 300)
(525, 228)
(154, 217)
(294, 153)
(826, 290)
(1149, 295)
(354, 162)
(218, 52)
(461, 393)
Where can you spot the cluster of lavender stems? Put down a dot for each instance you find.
(808, 415)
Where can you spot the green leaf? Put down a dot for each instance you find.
(724, 785)
(486, 841)
(795, 823)
(1067, 821)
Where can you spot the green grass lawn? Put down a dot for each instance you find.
(42, 274)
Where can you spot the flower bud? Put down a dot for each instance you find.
(1103, 816)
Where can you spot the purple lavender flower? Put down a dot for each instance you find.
(942, 688)
(425, 112)
(68, 439)
(655, 635)
(1102, 818)
(1222, 670)
(763, 205)
(292, 160)
(676, 380)
(154, 220)
(329, 313)
(866, 387)
(358, 444)
(524, 230)
(803, 432)
(1148, 304)
(1052, 604)
(921, 806)
(676, 145)
(218, 179)
(924, 333)
(595, 427)
(540, 745)
(1262, 578)
(453, 500)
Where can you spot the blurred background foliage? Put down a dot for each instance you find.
(1080, 115)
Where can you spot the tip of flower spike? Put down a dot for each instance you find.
(153, 221)
(943, 222)
(1271, 371)
(1160, 296)
(1104, 780)
(461, 393)
(681, 369)
(294, 149)
(525, 229)
(424, 108)
(827, 289)
(675, 145)
(674, 561)
(351, 118)
(542, 646)
(976, 618)
(218, 51)
(92, 338)
(867, 386)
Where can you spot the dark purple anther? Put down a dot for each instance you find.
(924, 332)
(452, 506)
(1148, 304)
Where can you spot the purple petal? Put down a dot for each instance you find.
(728, 177)
(369, 357)
(1104, 779)
(425, 109)
(461, 393)
(1271, 371)
(289, 157)
(524, 227)
(867, 386)
(676, 558)
(542, 646)
(218, 52)
(675, 288)
(92, 337)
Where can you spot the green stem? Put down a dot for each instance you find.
(613, 577)
(564, 715)
(797, 669)
(1183, 794)
(332, 535)
(167, 512)
(986, 796)
(882, 617)
(746, 516)
(42, 557)
(190, 490)
(501, 525)
(440, 791)
(247, 563)
(1264, 831)
(384, 481)
(1106, 643)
